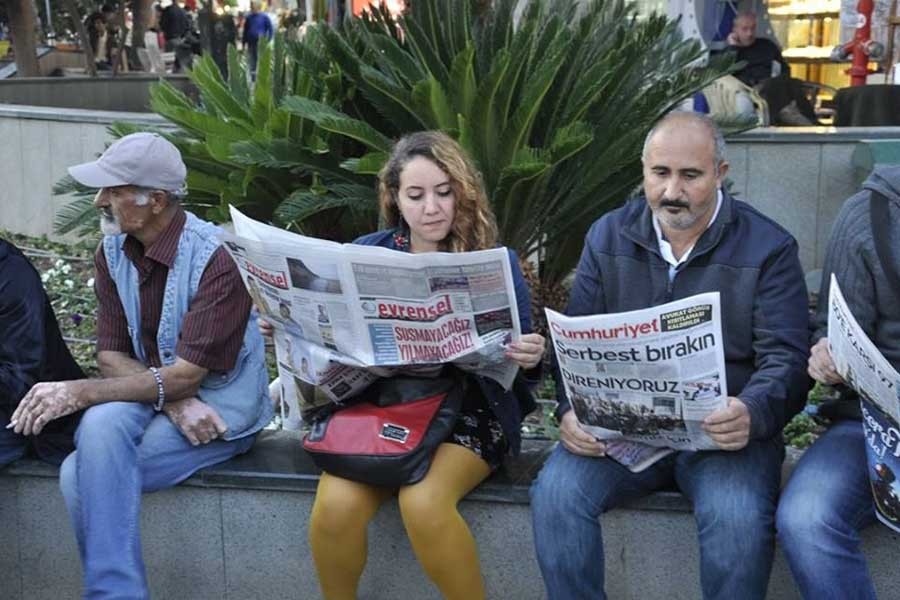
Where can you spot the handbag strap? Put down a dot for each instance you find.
(881, 234)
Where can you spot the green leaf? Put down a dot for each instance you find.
(370, 164)
(334, 121)
(429, 99)
(462, 80)
(301, 205)
(237, 76)
(262, 90)
(215, 92)
(79, 215)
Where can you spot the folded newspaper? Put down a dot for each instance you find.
(347, 314)
(867, 371)
(643, 381)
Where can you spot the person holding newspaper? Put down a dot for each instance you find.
(433, 199)
(828, 501)
(184, 382)
(686, 235)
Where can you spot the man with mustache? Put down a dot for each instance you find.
(686, 235)
(184, 380)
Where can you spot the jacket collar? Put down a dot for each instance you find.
(639, 227)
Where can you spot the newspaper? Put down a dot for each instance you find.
(865, 369)
(643, 381)
(346, 314)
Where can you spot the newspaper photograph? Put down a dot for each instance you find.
(347, 314)
(648, 377)
(863, 368)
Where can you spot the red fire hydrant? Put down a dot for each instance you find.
(861, 47)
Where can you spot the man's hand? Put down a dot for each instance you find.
(729, 427)
(821, 365)
(576, 440)
(265, 328)
(47, 401)
(198, 421)
(732, 39)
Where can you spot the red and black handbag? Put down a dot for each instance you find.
(389, 436)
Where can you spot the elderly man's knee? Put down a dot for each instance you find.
(108, 421)
(68, 478)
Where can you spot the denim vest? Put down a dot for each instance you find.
(241, 395)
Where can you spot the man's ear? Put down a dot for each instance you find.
(159, 201)
(722, 171)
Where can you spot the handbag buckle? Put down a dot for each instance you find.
(394, 433)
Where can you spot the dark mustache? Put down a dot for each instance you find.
(674, 203)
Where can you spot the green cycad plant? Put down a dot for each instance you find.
(241, 148)
(553, 108)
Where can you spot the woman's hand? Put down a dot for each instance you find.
(265, 328)
(528, 352)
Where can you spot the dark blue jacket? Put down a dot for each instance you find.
(32, 348)
(257, 25)
(750, 260)
(510, 407)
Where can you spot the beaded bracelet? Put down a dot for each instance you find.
(160, 390)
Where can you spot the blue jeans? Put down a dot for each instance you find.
(826, 502)
(734, 496)
(122, 450)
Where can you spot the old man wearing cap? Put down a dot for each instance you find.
(184, 381)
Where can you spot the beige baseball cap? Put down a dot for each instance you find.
(142, 159)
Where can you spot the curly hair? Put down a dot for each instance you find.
(474, 226)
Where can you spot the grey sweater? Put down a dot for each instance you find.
(851, 256)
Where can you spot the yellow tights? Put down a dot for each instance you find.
(439, 536)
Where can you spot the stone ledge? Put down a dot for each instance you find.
(239, 530)
(78, 115)
(278, 463)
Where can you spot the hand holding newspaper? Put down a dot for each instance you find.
(345, 314)
(867, 371)
(643, 381)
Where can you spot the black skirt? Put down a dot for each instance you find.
(479, 430)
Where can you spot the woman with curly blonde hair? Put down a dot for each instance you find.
(432, 198)
(473, 226)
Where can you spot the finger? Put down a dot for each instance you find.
(23, 424)
(28, 424)
(724, 428)
(38, 424)
(524, 355)
(24, 404)
(219, 423)
(729, 445)
(723, 415)
(577, 433)
(192, 437)
(584, 441)
(728, 438)
(523, 360)
(595, 450)
(528, 345)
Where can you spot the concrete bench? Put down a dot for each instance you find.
(239, 530)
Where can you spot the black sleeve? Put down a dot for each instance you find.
(22, 301)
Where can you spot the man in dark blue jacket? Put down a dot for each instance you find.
(31, 350)
(256, 25)
(683, 237)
